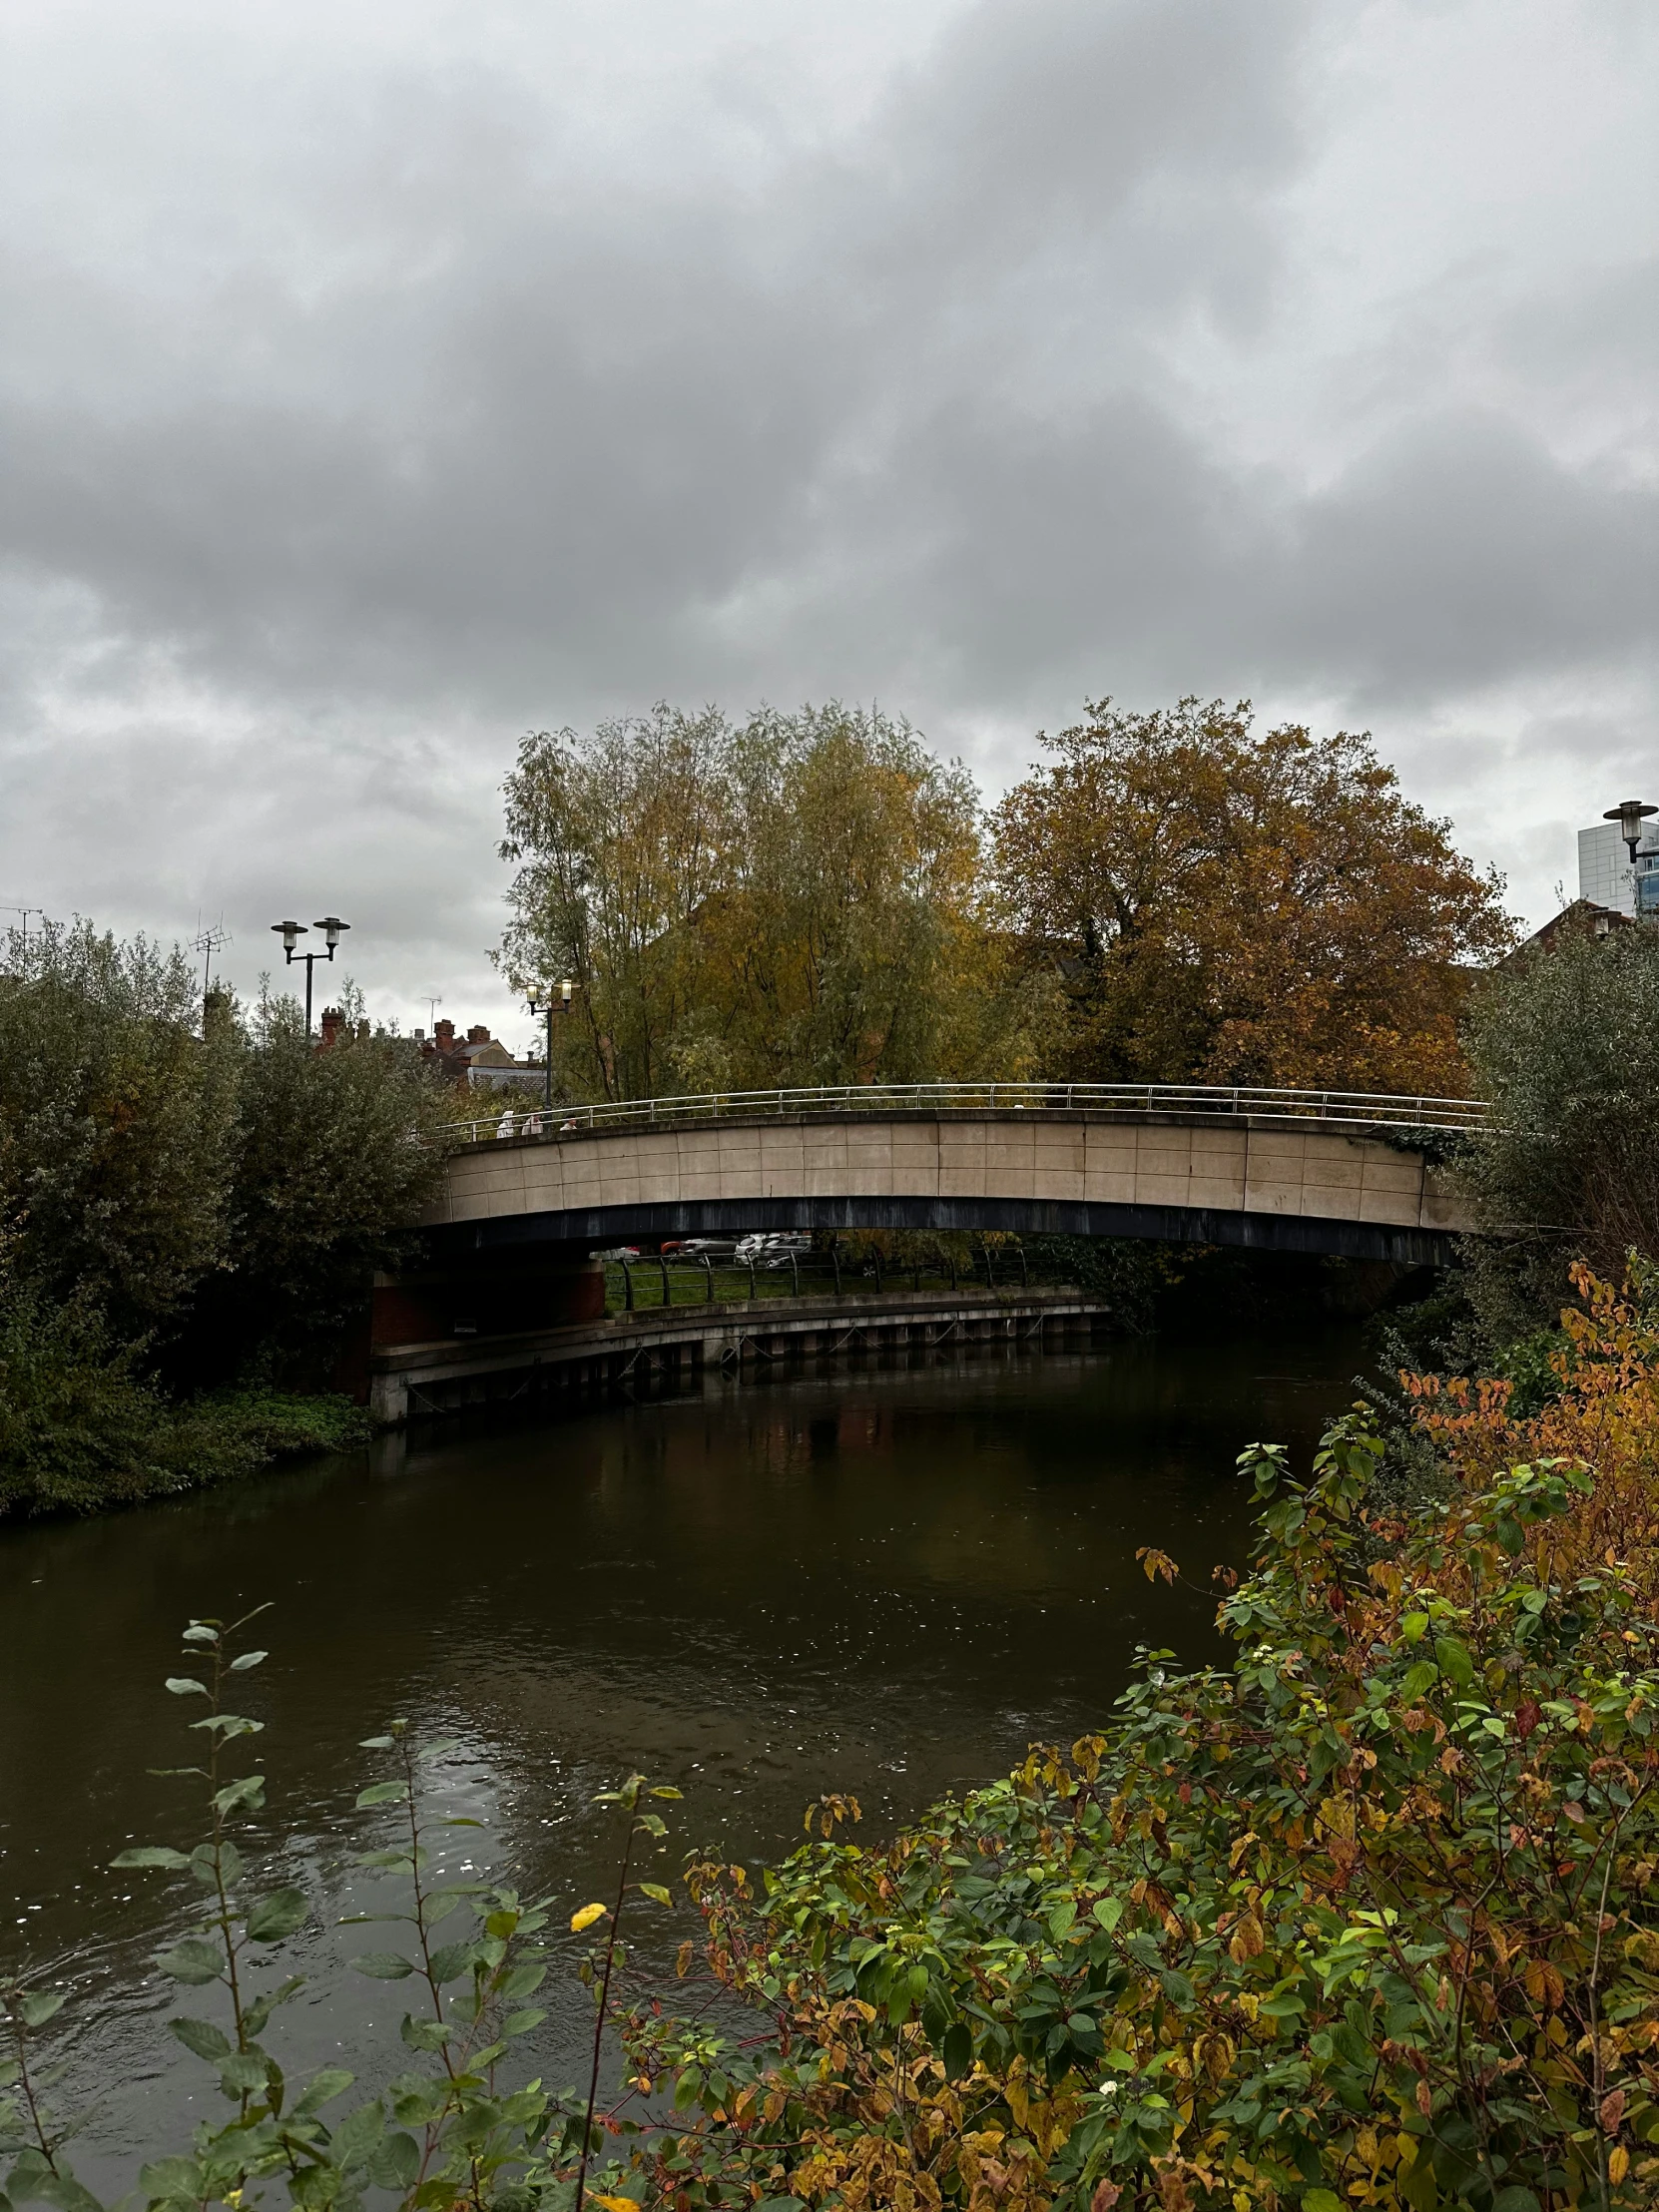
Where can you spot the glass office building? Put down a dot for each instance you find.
(1607, 875)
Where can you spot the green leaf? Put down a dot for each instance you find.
(656, 1893)
(259, 2011)
(60, 2189)
(199, 1632)
(277, 1915)
(186, 1685)
(664, 1790)
(957, 2052)
(325, 2085)
(396, 2162)
(425, 2034)
(1108, 1912)
(452, 1961)
(227, 1724)
(247, 1660)
(249, 1792)
(203, 2038)
(213, 1864)
(520, 2023)
(40, 2005)
(191, 1961)
(175, 2178)
(1321, 2200)
(244, 2072)
(384, 1792)
(151, 1854)
(1456, 1665)
(383, 1965)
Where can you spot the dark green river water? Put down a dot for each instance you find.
(887, 1579)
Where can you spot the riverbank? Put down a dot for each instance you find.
(90, 1443)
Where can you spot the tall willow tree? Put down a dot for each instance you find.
(618, 836)
(796, 900)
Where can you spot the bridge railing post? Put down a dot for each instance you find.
(627, 1287)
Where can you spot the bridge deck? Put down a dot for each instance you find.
(1273, 1181)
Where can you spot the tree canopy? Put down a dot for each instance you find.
(799, 899)
(1561, 1043)
(216, 1187)
(1241, 907)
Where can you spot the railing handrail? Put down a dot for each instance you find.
(1372, 1109)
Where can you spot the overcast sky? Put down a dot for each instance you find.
(384, 380)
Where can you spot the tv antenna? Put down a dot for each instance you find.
(25, 912)
(434, 999)
(206, 943)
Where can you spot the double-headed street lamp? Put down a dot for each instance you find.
(291, 933)
(545, 1001)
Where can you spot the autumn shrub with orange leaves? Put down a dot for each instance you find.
(1368, 1918)
(1604, 1417)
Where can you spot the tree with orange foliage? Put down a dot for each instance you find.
(1234, 907)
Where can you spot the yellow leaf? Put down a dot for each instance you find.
(616, 2204)
(578, 1920)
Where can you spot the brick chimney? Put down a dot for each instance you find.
(478, 1034)
(334, 1021)
(443, 1035)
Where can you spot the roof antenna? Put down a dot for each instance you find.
(25, 912)
(208, 942)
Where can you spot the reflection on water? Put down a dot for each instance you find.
(886, 1579)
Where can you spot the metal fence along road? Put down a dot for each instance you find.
(1358, 1110)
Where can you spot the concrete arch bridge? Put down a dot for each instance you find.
(508, 1285)
(1274, 1170)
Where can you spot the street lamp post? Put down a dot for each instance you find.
(1631, 815)
(544, 1001)
(290, 932)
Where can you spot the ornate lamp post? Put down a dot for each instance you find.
(1631, 815)
(544, 1001)
(290, 932)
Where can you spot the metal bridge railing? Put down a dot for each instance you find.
(1348, 1109)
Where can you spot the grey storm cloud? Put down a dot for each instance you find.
(389, 381)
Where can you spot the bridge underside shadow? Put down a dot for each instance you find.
(591, 1229)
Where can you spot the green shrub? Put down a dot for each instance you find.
(1368, 1918)
(82, 1427)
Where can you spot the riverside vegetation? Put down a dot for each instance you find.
(190, 1207)
(191, 1200)
(1368, 1918)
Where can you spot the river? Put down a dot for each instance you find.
(885, 1578)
